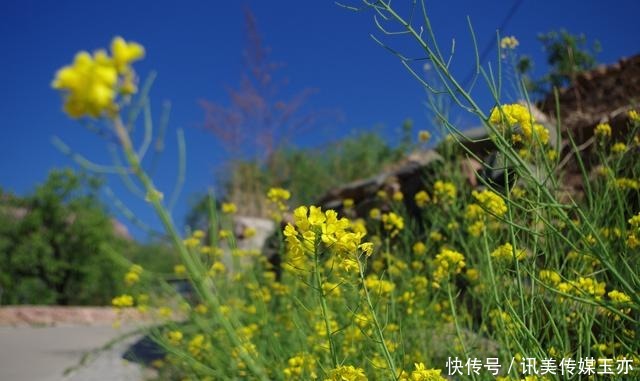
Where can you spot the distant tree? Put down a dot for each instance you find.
(51, 244)
(567, 56)
(258, 121)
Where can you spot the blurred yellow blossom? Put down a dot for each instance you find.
(618, 148)
(444, 192)
(122, 301)
(424, 136)
(509, 42)
(229, 208)
(346, 373)
(92, 82)
(602, 130)
(422, 198)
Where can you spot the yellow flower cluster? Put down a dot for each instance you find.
(447, 262)
(507, 253)
(92, 82)
(229, 208)
(194, 240)
(180, 270)
(627, 183)
(346, 373)
(491, 202)
(133, 275)
(301, 367)
(634, 116)
(337, 234)
(122, 301)
(419, 248)
(618, 148)
(550, 277)
(278, 197)
(379, 286)
(278, 194)
(421, 373)
(444, 192)
(175, 337)
(422, 199)
(198, 345)
(347, 203)
(392, 223)
(619, 297)
(509, 42)
(424, 136)
(583, 286)
(602, 130)
(511, 115)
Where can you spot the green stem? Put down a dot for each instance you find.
(376, 324)
(325, 309)
(203, 285)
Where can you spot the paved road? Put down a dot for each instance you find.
(44, 353)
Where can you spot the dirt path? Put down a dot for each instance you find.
(40, 343)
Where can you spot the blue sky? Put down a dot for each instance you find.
(196, 48)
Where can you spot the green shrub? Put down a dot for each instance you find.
(50, 245)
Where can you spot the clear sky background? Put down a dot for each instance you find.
(196, 48)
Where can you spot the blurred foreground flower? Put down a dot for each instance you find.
(92, 82)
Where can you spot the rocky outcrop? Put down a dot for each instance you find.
(604, 94)
(406, 176)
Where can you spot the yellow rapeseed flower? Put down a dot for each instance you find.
(125, 53)
(249, 232)
(175, 337)
(393, 223)
(619, 297)
(197, 345)
(602, 130)
(436, 236)
(229, 208)
(122, 301)
(510, 115)
(491, 202)
(550, 276)
(419, 248)
(346, 373)
(447, 262)
(634, 116)
(422, 198)
(421, 373)
(507, 253)
(627, 183)
(424, 136)
(92, 82)
(278, 194)
(378, 286)
(509, 42)
(618, 148)
(89, 85)
(444, 192)
(179, 270)
(131, 278)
